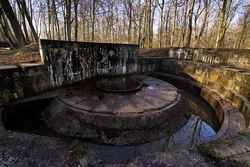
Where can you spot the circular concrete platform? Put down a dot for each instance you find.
(85, 111)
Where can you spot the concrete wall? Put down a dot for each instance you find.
(69, 62)
(65, 63)
(224, 70)
(231, 57)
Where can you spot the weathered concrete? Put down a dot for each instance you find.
(231, 57)
(231, 151)
(84, 111)
(228, 82)
(226, 89)
(28, 150)
(180, 158)
(68, 62)
(221, 76)
(230, 119)
(23, 150)
(64, 63)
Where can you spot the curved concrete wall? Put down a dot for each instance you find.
(222, 71)
(231, 57)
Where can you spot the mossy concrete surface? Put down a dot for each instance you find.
(232, 150)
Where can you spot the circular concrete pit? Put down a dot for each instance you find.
(121, 110)
(187, 121)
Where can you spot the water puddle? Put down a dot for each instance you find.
(200, 127)
(197, 130)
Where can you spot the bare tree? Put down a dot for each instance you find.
(244, 26)
(173, 27)
(68, 19)
(93, 16)
(167, 26)
(7, 9)
(128, 7)
(204, 21)
(222, 24)
(55, 19)
(190, 23)
(150, 23)
(23, 7)
(162, 20)
(76, 18)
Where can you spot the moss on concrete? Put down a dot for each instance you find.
(79, 150)
(232, 150)
(6, 96)
(211, 151)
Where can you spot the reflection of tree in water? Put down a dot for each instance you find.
(196, 136)
(195, 131)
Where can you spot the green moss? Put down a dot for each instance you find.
(79, 151)
(6, 95)
(118, 124)
(167, 132)
(209, 150)
(245, 134)
(24, 80)
(224, 142)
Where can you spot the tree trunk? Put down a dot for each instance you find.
(5, 5)
(76, 19)
(4, 30)
(128, 5)
(167, 22)
(140, 24)
(204, 21)
(49, 20)
(68, 19)
(190, 22)
(174, 23)
(222, 25)
(93, 20)
(55, 18)
(24, 8)
(151, 26)
(162, 7)
(243, 31)
(184, 29)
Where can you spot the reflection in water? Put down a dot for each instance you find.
(200, 127)
(197, 130)
(194, 132)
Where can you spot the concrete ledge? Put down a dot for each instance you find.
(229, 151)
(134, 118)
(232, 121)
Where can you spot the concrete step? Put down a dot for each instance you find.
(234, 150)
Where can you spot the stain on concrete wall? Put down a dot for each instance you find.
(68, 62)
(231, 57)
(65, 63)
